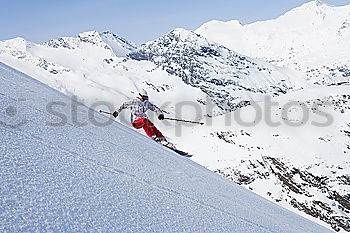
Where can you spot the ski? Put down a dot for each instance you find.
(172, 147)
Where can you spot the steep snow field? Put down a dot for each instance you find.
(89, 178)
(298, 163)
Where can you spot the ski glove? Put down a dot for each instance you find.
(115, 114)
(161, 117)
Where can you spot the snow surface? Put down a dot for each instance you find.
(320, 151)
(88, 178)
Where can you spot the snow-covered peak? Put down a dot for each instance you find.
(178, 35)
(314, 13)
(182, 33)
(106, 40)
(312, 38)
(17, 47)
(316, 3)
(120, 46)
(17, 43)
(179, 38)
(115, 37)
(90, 37)
(319, 2)
(297, 16)
(219, 72)
(309, 11)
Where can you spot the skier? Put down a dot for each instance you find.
(139, 118)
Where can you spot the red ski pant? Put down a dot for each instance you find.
(148, 126)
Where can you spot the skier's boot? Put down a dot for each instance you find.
(161, 140)
(155, 138)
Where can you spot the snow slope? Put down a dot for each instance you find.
(88, 178)
(288, 155)
(313, 38)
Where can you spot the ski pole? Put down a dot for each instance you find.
(106, 112)
(173, 119)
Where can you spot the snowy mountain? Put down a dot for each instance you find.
(92, 72)
(313, 38)
(110, 178)
(116, 44)
(230, 79)
(304, 169)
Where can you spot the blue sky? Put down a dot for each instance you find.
(136, 20)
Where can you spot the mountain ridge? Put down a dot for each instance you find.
(312, 38)
(209, 66)
(106, 39)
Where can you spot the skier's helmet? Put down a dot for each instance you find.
(143, 94)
